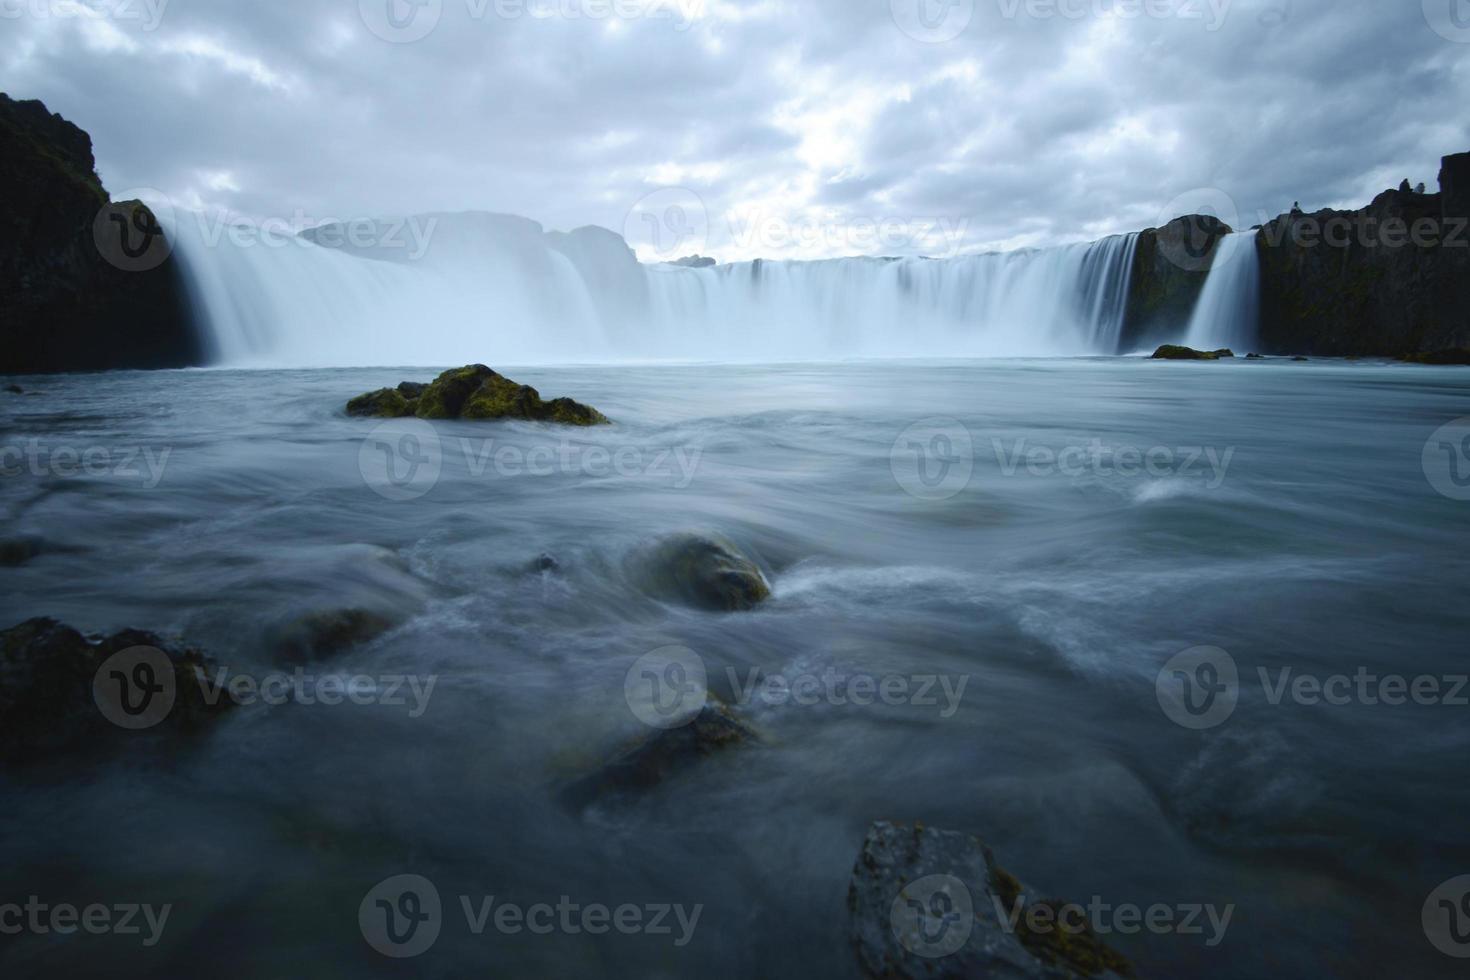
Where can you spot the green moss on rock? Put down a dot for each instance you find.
(1174, 352)
(472, 392)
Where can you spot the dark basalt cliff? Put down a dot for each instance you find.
(85, 284)
(1391, 279)
(1170, 266)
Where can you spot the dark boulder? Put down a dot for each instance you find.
(1457, 355)
(85, 283)
(707, 572)
(326, 633)
(55, 698)
(933, 904)
(472, 392)
(18, 551)
(1173, 352)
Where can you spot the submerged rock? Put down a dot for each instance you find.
(18, 551)
(326, 633)
(1255, 357)
(648, 762)
(933, 904)
(1299, 358)
(472, 392)
(1174, 352)
(54, 697)
(705, 572)
(15, 389)
(1454, 355)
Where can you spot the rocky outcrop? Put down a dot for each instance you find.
(326, 633)
(1170, 266)
(85, 283)
(1173, 352)
(705, 572)
(933, 904)
(474, 392)
(64, 692)
(1390, 279)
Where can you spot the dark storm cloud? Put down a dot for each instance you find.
(1026, 121)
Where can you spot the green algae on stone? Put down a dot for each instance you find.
(473, 392)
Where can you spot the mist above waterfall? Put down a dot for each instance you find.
(450, 288)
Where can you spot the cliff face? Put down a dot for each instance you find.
(1169, 270)
(1390, 279)
(84, 284)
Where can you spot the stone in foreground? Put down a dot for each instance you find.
(706, 572)
(1173, 352)
(1454, 355)
(933, 904)
(472, 392)
(54, 696)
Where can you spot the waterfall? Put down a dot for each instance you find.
(1228, 308)
(452, 288)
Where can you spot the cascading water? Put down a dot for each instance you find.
(1228, 308)
(467, 287)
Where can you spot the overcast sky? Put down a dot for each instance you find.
(770, 127)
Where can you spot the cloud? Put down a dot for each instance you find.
(1039, 121)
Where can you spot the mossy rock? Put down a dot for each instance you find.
(472, 392)
(326, 633)
(706, 572)
(385, 403)
(1174, 352)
